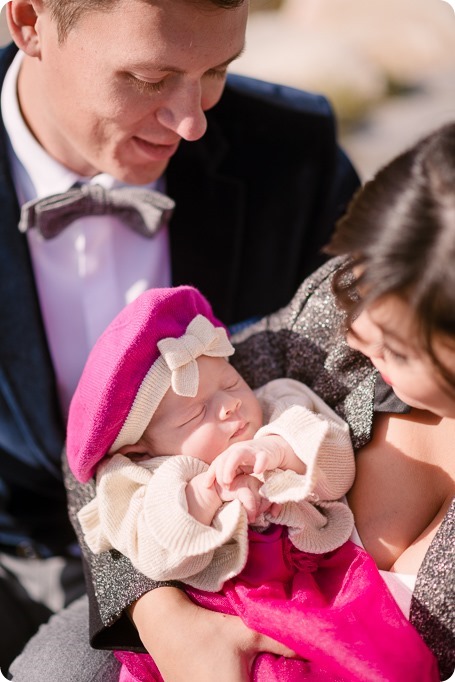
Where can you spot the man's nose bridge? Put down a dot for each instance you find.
(187, 105)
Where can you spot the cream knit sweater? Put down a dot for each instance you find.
(140, 507)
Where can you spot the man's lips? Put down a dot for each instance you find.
(156, 152)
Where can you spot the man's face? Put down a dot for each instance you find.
(127, 85)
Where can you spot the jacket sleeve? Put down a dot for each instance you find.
(112, 582)
(140, 510)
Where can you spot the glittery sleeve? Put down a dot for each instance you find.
(433, 601)
(113, 584)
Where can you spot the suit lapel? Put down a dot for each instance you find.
(198, 185)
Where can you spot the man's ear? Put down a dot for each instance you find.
(22, 17)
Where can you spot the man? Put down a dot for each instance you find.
(115, 93)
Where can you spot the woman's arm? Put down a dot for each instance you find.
(220, 647)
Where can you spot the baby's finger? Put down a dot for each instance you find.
(274, 510)
(262, 462)
(248, 500)
(210, 476)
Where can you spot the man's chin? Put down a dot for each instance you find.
(140, 175)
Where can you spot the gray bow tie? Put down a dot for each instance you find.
(142, 210)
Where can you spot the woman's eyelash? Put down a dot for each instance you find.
(394, 354)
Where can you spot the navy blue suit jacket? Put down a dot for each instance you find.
(256, 198)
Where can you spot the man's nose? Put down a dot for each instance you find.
(183, 113)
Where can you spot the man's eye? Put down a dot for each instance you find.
(144, 86)
(217, 73)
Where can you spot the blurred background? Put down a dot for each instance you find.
(387, 66)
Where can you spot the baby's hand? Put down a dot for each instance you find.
(245, 488)
(202, 498)
(250, 456)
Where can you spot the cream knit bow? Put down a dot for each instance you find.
(176, 367)
(180, 355)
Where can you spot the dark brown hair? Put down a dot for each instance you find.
(399, 236)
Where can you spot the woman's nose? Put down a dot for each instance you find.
(361, 335)
(354, 341)
(369, 346)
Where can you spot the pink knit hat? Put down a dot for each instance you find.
(150, 346)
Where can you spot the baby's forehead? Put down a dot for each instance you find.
(220, 364)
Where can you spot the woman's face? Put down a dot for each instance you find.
(387, 333)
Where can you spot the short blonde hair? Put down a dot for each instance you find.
(67, 12)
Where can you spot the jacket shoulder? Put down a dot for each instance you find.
(276, 96)
(257, 108)
(7, 55)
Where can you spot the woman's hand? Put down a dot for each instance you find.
(188, 642)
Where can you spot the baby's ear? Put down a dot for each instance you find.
(135, 449)
(22, 17)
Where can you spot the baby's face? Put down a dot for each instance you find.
(224, 411)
